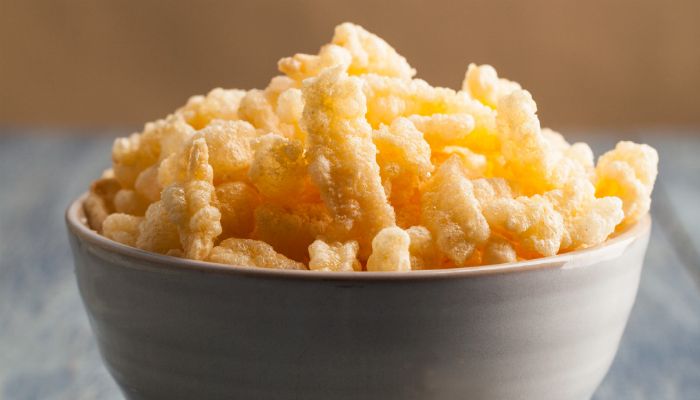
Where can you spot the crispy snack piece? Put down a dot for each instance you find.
(230, 152)
(498, 251)
(147, 185)
(371, 54)
(389, 98)
(588, 220)
(278, 169)
(122, 228)
(442, 130)
(237, 202)
(190, 205)
(482, 83)
(257, 109)
(217, 104)
(355, 50)
(157, 233)
(291, 229)
(390, 251)
(336, 256)
(424, 253)
(404, 163)
(342, 157)
(100, 201)
(133, 154)
(452, 213)
(251, 253)
(628, 172)
(290, 107)
(128, 201)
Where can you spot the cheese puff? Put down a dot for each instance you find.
(122, 228)
(370, 54)
(628, 172)
(237, 202)
(342, 157)
(588, 220)
(156, 232)
(452, 213)
(336, 256)
(302, 66)
(532, 222)
(229, 148)
(290, 230)
(390, 251)
(579, 152)
(133, 154)
(482, 83)
(127, 201)
(403, 158)
(498, 251)
(251, 253)
(190, 205)
(217, 104)
(147, 184)
(257, 109)
(278, 169)
(100, 202)
(424, 254)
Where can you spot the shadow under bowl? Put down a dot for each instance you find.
(171, 328)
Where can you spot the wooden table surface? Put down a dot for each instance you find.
(47, 350)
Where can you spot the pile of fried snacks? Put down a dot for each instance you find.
(346, 162)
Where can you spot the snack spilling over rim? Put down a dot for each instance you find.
(346, 162)
(612, 248)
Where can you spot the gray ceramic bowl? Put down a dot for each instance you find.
(170, 328)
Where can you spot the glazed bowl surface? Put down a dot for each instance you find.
(170, 328)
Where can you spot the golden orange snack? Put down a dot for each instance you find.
(346, 162)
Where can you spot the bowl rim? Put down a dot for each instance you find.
(611, 248)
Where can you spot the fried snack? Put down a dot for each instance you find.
(390, 251)
(259, 111)
(157, 233)
(498, 251)
(346, 162)
(133, 154)
(290, 230)
(190, 205)
(355, 50)
(628, 172)
(404, 163)
(128, 201)
(278, 169)
(336, 256)
(99, 202)
(452, 213)
(122, 228)
(237, 202)
(217, 104)
(342, 157)
(229, 144)
(424, 253)
(251, 253)
(482, 83)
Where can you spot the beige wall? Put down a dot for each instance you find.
(590, 63)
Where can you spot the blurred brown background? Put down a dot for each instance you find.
(590, 63)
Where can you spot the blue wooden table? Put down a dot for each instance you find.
(47, 350)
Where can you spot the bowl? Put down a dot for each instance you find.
(171, 328)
